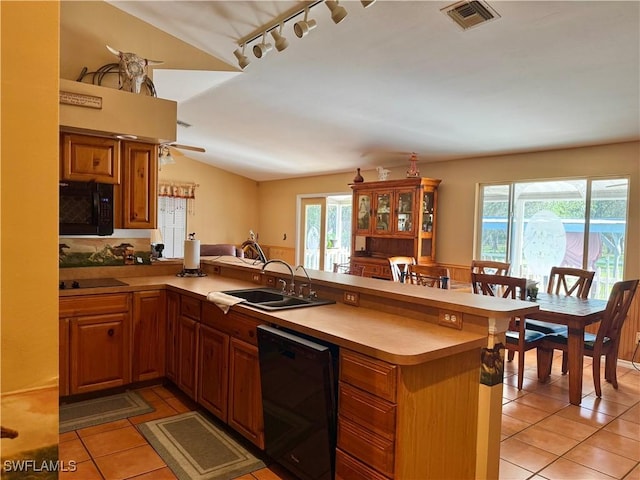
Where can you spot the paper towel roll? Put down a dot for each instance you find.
(192, 254)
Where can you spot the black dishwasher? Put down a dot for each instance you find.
(298, 376)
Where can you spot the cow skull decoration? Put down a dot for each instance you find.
(133, 69)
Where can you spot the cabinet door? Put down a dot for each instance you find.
(63, 364)
(139, 185)
(173, 312)
(213, 371)
(245, 393)
(363, 210)
(382, 217)
(100, 352)
(148, 335)
(187, 352)
(85, 158)
(404, 213)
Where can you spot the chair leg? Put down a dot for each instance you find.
(520, 368)
(610, 365)
(596, 375)
(565, 363)
(545, 362)
(510, 355)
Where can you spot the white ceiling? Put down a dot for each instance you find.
(398, 77)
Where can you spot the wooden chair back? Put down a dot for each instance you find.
(499, 285)
(400, 267)
(427, 275)
(349, 269)
(618, 305)
(490, 267)
(569, 281)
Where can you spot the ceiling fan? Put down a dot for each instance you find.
(170, 150)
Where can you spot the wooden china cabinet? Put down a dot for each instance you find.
(391, 218)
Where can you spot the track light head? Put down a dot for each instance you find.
(243, 61)
(337, 12)
(303, 27)
(367, 3)
(261, 49)
(281, 42)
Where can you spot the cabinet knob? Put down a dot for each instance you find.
(111, 332)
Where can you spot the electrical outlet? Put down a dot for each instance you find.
(351, 298)
(256, 277)
(216, 269)
(451, 319)
(637, 337)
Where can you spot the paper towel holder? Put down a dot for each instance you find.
(191, 272)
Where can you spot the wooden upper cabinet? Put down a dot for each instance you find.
(85, 158)
(139, 185)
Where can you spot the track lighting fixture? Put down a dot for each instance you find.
(261, 49)
(281, 42)
(337, 12)
(303, 27)
(243, 61)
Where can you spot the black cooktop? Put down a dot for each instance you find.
(91, 283)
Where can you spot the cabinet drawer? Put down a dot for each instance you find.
(348, 468)
(369, 374)
(93, 305)
(368, 411)
(234, 324)
(190, 307)
(371, 449)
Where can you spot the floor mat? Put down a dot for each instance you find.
(88, 413)
(196, 449)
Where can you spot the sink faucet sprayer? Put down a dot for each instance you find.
(292, 286)
(308, 284)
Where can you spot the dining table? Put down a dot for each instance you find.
(576, 313)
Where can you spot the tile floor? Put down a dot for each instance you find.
(543, 436)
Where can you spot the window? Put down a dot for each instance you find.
(172, 223)
(574, 223)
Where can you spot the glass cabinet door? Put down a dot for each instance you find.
(404, 212)
(383, 212)
(427, 212)
(364, 213)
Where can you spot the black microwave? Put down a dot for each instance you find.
(86, 208)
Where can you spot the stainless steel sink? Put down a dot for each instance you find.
(272, 299)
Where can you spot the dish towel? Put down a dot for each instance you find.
(223, 301)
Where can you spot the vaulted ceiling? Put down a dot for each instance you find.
(400, 77)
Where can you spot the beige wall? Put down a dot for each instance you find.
(458, 189)
(29, 195)
(225, 206)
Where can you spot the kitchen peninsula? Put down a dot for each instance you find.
(410, 401)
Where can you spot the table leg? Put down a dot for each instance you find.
(576, 362)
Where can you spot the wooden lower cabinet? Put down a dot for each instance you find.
(173, 313)
(100, 352)
(213, 365)
(245, 397)
(148, 330)
(187, 349)
(348, 468)
(63, 364)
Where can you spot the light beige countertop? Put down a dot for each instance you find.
(401, 337)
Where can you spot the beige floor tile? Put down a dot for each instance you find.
(547, 440)
(272, 472)
(248, 476)
(177, 404)
(615, 443)
(113, 441)
(73, 450)
(83, 471)
(524, 412)
(129, 463)
(509, 471)
(160, 474)
(511, 425)
(632, 415)
(600, 460)
(603, 405)
(570, 428)
(563, 469)
(633, 474)
(105, 427)
(161, 411)
(149, 394)
(625, 428)
(162, 392)
(525, 455)
(511, 393)
(542, 402)
(65, 437)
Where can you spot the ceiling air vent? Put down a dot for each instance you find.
(470, 14)
(184, 124)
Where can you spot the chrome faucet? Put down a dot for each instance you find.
(308, 284)
(292, 286)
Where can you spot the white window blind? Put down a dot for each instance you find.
(172, 223)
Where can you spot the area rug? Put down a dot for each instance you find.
(101, 410)
(196, 449)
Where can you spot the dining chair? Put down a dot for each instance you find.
(400, 267)
(490, 267)
(427, 275)
(564, 281)
(605, 342)
(518, 338)
(349, 269)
